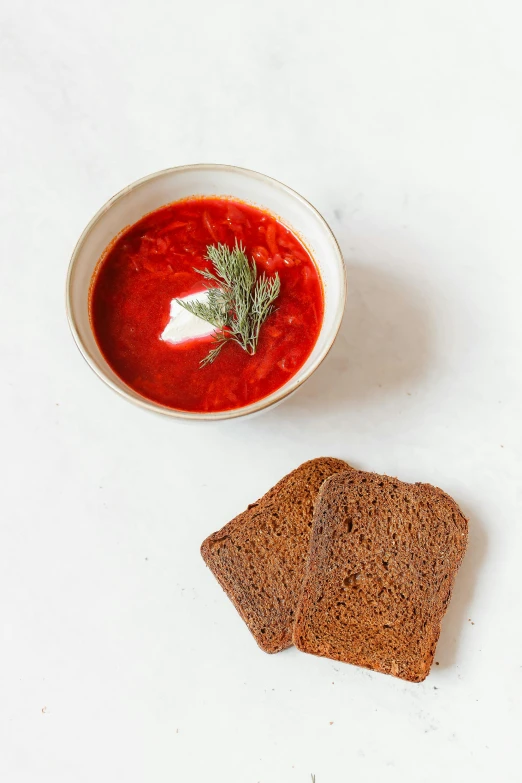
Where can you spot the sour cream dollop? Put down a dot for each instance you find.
(183, 325)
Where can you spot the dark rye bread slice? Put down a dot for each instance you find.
(259, 557)
(383, 559)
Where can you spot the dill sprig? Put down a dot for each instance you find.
(238, 300)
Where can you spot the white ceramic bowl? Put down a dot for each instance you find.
(164, 187)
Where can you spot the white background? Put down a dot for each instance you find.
(120, 657)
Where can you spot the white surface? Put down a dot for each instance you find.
(183, 325)
(121, 658)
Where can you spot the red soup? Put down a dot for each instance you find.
(154, 261)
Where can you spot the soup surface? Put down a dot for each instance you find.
(152, 262)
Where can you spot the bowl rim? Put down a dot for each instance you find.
(246, 410)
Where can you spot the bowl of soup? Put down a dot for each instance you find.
(206, 292)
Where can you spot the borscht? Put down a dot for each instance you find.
(151, 292)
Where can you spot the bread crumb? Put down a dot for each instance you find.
(331, 723)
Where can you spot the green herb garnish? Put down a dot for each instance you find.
(238, 300)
